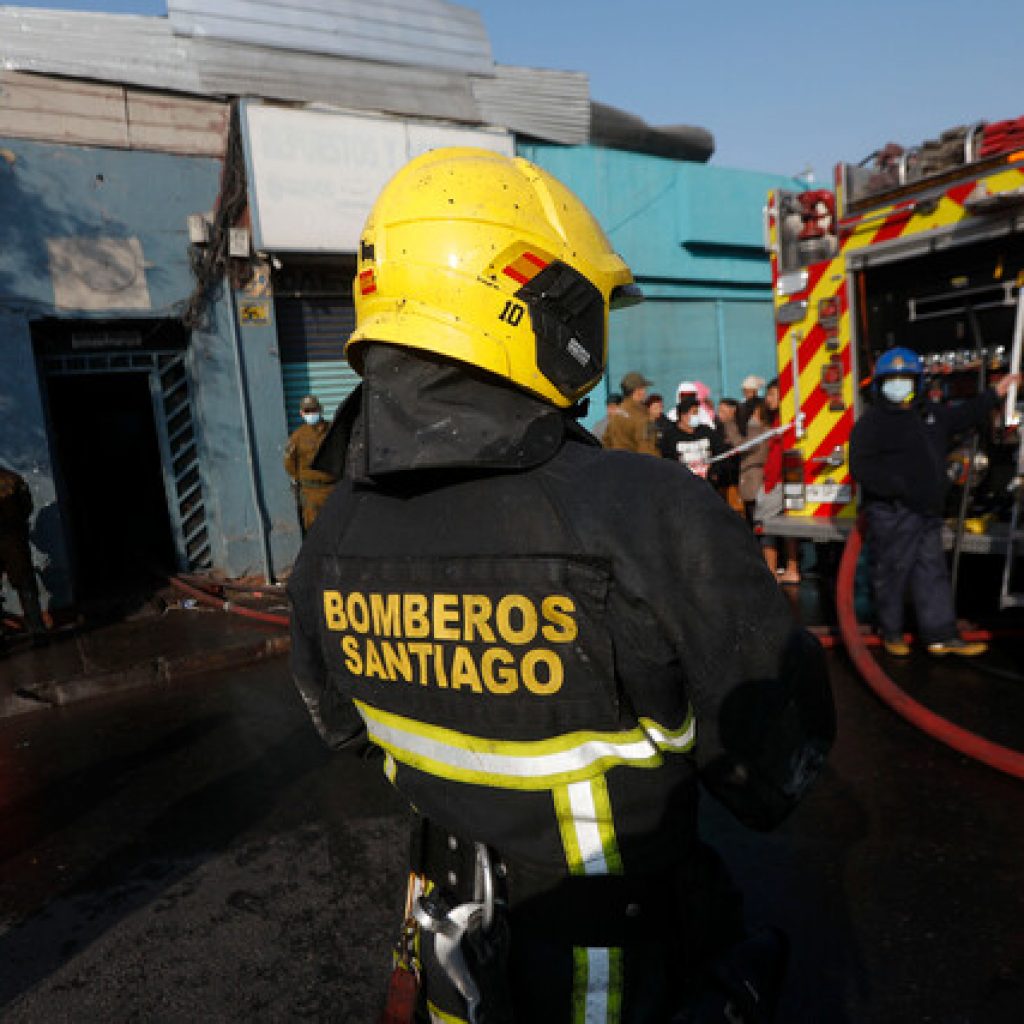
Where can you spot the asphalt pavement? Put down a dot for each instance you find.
(191, 851)
(151, 640)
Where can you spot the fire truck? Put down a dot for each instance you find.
(921, 247)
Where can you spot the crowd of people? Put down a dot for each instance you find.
(736, 446)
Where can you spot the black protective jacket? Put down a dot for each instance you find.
(551, 641)
(899, 454)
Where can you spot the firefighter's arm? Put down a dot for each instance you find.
(765, 718)
(972, 413)
(335, 718)
(975, 412)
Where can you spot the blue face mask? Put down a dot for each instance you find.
(898, 390)
(312, 418)
(694, 421)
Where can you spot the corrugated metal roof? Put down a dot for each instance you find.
(551, 105)
(126, 48)
(144, 51)
(431, 33)
(234, 70)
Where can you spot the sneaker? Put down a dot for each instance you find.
(896, 646)
(959, 646)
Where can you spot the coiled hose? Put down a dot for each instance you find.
(233, 607)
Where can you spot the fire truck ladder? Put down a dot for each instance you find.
(1007, 597)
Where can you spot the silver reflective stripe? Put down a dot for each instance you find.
(536, 764)
(598, 977)
(673, 741)
(588, 836)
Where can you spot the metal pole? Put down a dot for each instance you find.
(965, 496)
(243, 390)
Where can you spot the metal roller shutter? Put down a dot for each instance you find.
(311, 332)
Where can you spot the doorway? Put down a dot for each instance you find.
(109, 464)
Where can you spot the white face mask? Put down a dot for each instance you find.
(898, 389)
(312, 418)
(694, 421)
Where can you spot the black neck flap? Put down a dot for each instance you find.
(416, 412)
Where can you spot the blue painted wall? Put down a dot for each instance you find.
(693, 236)
(56, 191)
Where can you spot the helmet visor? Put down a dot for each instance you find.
(625, 295)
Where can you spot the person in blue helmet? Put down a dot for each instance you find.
(898, 457)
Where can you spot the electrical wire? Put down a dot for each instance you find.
(210, 262)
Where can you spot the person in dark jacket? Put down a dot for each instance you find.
(898, 456)
(690, 442)
(552, 643)
(15, 551)
(661, 423)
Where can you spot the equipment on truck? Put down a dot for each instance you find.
(923, 248)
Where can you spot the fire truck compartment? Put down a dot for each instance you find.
(955, 303)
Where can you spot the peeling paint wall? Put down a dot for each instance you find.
(101, 234)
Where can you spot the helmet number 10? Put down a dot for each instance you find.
(512, 314)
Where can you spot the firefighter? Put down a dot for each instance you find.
(15, 553)
(313, 485)
(898, 456)
(551, 643)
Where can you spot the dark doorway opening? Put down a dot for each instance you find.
(109, 464)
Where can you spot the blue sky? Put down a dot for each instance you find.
(782, 86)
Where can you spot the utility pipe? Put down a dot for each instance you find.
(243, 390)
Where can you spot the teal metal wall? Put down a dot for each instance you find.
(693, 235)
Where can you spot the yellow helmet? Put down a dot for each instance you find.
(490, 261)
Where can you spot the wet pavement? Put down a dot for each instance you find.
(152, 642)
(192, 852)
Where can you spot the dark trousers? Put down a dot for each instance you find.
(653, 962)
(906, 552)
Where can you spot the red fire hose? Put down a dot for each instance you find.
(205, 597)
(995, 756)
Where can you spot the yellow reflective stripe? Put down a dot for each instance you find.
(440, 1017)
(390, 768)
(681, 739)
(606, 824)
(671, 738)
(616, 971)
(567, 830)
(580, 983)
(584, 814)
(585, 822)
(517, 764)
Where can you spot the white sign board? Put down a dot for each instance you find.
(313, 176)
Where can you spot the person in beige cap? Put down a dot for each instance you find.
(752, 385)
(632, 430)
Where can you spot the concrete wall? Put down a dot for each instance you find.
(692, 234)
(53, 192)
